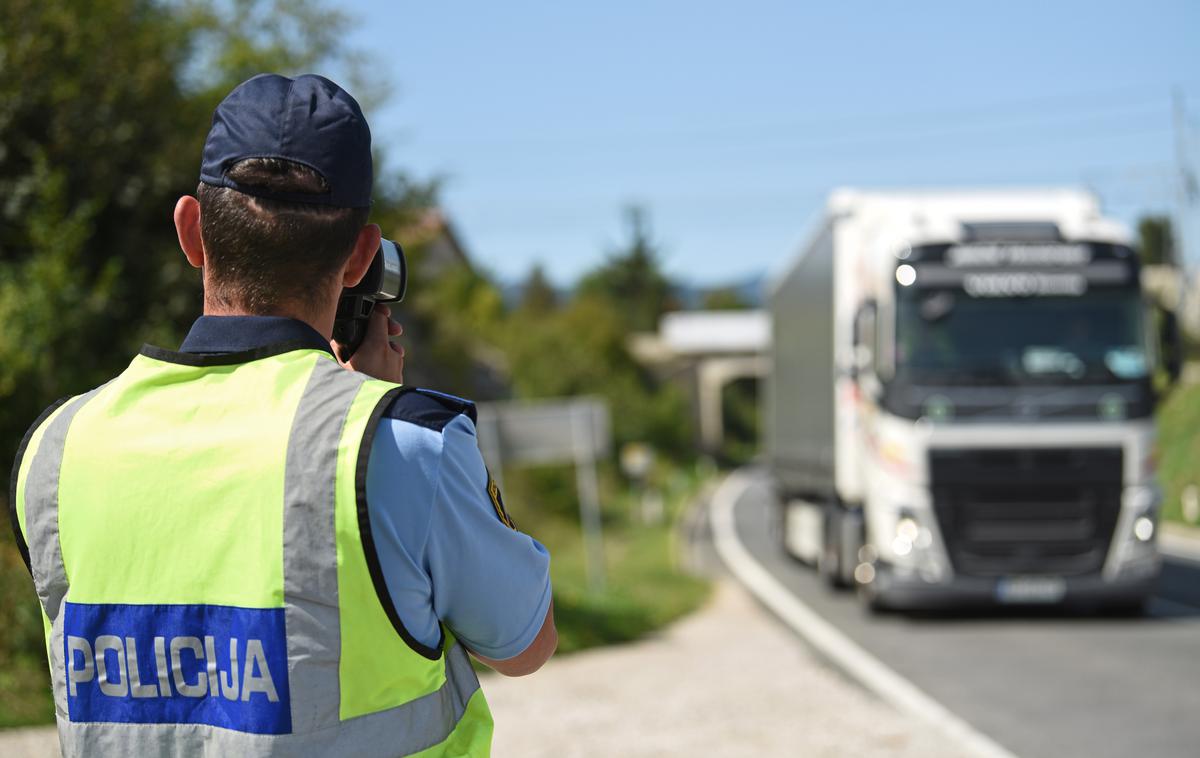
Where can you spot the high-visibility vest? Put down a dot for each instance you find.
(200, 543)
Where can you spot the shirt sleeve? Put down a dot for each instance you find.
(491, 583)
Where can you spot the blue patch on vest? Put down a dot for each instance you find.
(178, 664)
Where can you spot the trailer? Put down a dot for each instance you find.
(960, 403)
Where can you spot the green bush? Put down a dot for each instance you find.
(1179, 447)
(645, 587)
(24, 674)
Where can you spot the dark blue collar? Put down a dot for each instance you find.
(234, 334)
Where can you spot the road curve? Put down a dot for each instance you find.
(1039, 684)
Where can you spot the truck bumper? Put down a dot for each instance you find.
(893, 591)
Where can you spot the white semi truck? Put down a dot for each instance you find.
(960, 406)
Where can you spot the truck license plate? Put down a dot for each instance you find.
(1031, 589)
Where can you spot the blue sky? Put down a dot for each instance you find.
(730, 122)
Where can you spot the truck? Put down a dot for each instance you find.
(959, 408)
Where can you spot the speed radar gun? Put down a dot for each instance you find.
(385, 282)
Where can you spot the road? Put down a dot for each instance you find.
(1038, 683)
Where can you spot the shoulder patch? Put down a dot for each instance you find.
(429, 408)
(493, 491)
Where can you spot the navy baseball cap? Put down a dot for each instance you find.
(308, 120)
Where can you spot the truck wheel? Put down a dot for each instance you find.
(829, 565)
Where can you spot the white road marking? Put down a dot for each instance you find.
(826, 638)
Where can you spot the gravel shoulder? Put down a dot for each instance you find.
(727, 681)
(30, 742)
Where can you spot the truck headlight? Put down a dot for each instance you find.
(911, 546)
(1143, 528)
(908, 533)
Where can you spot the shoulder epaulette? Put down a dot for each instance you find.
(429, 408)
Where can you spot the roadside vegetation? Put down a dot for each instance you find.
(645, 586)
(1179, 447)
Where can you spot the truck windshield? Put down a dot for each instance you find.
(947, 337)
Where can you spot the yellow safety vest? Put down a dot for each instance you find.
(200, 543)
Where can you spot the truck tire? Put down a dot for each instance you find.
(829, 561)
(872, 601)
(828, 567)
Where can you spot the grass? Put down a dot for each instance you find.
(645, 588)
(1179, 447)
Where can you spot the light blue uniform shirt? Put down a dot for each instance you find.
(444, 551)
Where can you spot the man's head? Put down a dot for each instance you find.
(263, 254)
(279, 221)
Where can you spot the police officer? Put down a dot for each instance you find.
(246, 548)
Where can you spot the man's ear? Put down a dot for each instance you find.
(360, 258)
(187, 226)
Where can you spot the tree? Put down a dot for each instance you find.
(104, 107)
(632, 278)
(98, 140)
(538, 294)
(582, 350)
(88, 169)
(582, 347)
(724, 299)
(1156, 241)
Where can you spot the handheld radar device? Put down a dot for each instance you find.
(385, 282)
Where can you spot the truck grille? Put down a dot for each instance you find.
(1026, 511)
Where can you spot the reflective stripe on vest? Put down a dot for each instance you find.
(169, 638)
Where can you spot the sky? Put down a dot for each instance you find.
(731, 122)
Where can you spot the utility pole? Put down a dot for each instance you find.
(1188, 192)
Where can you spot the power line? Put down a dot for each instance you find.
(1025, 134)
(1069, 104)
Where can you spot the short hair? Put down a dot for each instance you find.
(262, 253)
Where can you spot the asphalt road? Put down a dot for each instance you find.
(1039, 683)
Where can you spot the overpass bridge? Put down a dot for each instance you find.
(708, 349)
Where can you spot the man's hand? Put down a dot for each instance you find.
(378, 356)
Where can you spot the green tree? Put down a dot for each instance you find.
(740, 408)
(724, 299)
(582, 350)
(452, 321)
(89, 170)
(632, 278)
(537, 293)
(97, 140)
(104, 106)
(1156, 241)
